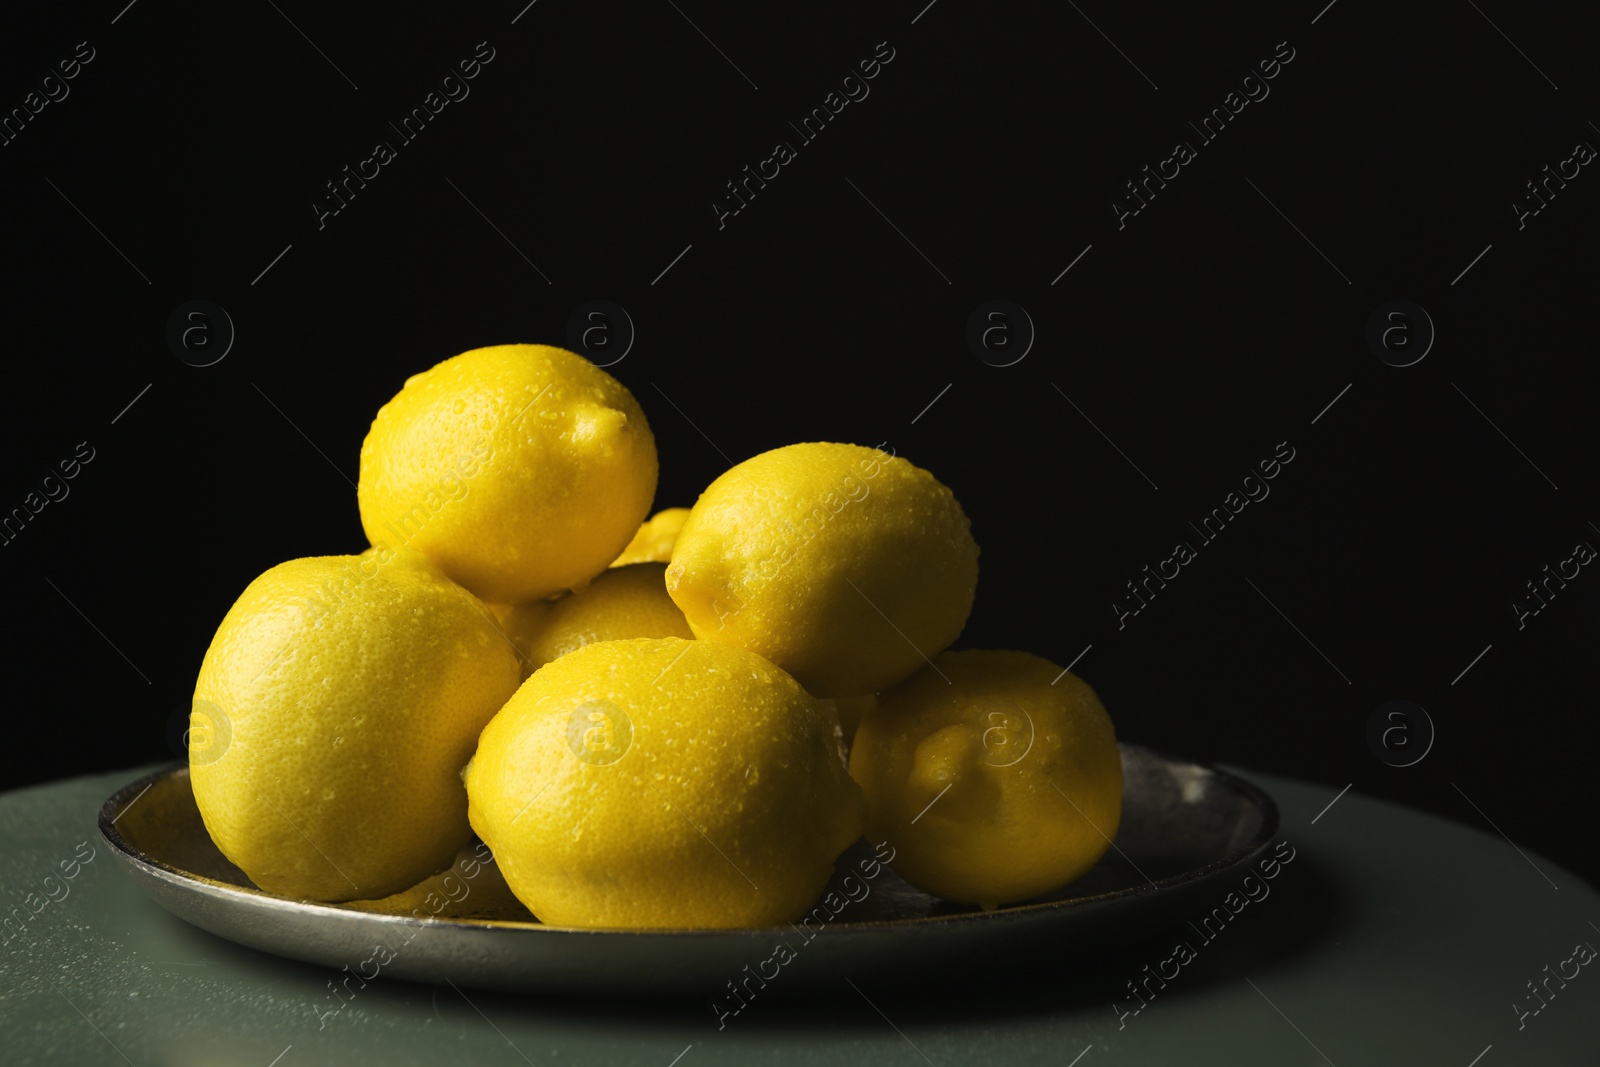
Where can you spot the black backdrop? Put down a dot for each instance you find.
(1188, 340)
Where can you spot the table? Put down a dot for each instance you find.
(1394, 937)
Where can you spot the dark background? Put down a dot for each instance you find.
(834, 306)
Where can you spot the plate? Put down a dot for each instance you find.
(1187, 833)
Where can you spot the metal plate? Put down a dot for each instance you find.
(1184, 828)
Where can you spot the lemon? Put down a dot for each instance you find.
(334, 710)
(846, 566)
(522, 624)
(623, 602)
(470, 888)
(654, 540)
(662, 783)
(521, 470)
(991, 784)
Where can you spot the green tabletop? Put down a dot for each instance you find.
(1393, 937)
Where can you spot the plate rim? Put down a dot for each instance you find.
(117, 804)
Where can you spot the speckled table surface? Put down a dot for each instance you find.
(1394, 937)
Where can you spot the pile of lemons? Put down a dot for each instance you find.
(646, 721)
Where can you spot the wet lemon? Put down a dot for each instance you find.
(521, 470)
(992, 784)
(662, 783)
(470, 888)
(653, 543)
(623, 602)
(334, 710)
(845, 566)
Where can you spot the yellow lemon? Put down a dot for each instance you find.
(623, 602)
(845, 566)
(334, 710)
(991, 784)
(662, 783)
(470, 888)
(653, 543)
(521, 470)
(522, 624)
